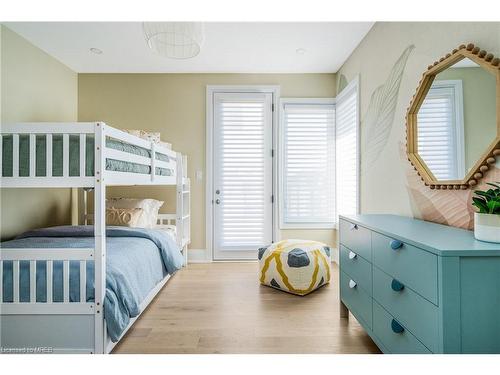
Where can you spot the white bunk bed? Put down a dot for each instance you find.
(45, 324)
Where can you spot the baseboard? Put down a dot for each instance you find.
(202, 256)
(335, 256)
(198, 256)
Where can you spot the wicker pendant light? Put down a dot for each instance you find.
(176, 40)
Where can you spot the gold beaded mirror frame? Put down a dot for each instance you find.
(479, 166)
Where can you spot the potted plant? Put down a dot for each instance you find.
(487, 220)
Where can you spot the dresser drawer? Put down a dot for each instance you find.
(410, 309)
(394, 335)
(356, 267)
(356, 238)
(357, 300)
(414, 267)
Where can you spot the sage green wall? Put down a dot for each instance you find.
(174, 104)
(34, 87)
(479, 97)
(383, 185)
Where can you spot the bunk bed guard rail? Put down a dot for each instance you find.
(64, 155)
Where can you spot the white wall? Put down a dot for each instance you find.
(35, 87)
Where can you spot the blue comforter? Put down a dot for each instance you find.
(137, 259)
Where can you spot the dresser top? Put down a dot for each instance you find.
(439, 239)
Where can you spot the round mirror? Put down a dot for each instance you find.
(453, 123)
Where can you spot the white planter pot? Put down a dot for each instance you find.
(487, 227)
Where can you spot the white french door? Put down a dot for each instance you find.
(242, 174)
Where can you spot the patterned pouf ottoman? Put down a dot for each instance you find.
(295, 266)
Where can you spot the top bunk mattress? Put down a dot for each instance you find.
(74, 156)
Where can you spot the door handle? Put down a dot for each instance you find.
(352, 284)
(217, 201)
(352, 255)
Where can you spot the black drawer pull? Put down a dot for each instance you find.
(396, 327)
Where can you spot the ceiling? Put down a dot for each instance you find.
(251, 47)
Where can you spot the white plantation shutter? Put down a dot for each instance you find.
(440, 130)
(308, 170)
(243, 170)
(347, 150)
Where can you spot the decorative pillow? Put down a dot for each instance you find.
(149, 208)
(127, 217)
(148, 136)
(165, 144)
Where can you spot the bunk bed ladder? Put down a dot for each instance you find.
(182, 209)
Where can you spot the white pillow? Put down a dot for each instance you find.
(150, 209)
(148, 136)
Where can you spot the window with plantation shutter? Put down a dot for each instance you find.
(440, 130)
(347, 150)
(308, 163)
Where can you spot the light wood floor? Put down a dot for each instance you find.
(221, 308)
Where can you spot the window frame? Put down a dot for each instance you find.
(281, 159)
(352, 86)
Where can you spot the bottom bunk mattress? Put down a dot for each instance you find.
(137, 260)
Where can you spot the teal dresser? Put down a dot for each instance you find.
(420, 287)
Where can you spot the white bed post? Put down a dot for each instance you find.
(186, 206)
(153, 161)
(84, 203)
(100, 237)
(179, 218)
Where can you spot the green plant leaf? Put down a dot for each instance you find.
(481, 204)
(488, 201)
(487, 194)
(494, 207)
(494, 185)
(497, 190)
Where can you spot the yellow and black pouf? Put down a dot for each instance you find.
(295, 266)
